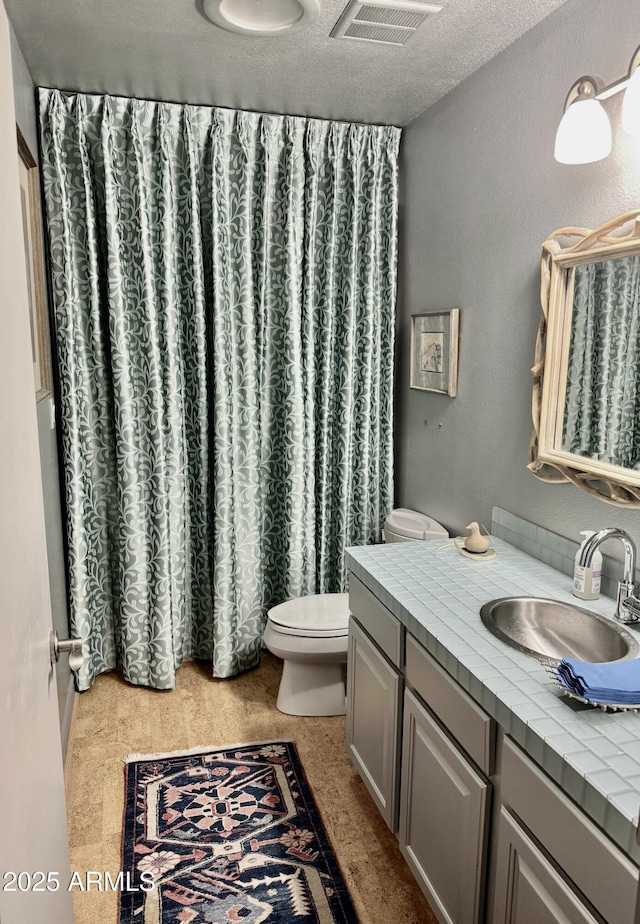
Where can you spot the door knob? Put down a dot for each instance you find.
(72, 645)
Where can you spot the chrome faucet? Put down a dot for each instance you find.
(628, 603)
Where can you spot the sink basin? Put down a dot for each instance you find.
(550, 630)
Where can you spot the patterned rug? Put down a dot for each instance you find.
(227, 835)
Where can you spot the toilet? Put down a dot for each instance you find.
(404, 525)
(310, 633)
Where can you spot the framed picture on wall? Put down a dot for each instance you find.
(34, 261)
(434, 351)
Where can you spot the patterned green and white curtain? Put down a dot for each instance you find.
(224, 287)
(603, 380)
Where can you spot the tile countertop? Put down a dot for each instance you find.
(436, 593)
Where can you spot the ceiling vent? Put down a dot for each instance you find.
(388, 22)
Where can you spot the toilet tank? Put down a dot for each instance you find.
(404, 525)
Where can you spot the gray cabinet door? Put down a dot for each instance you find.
(444, 806)
(374, 701)
(528, 889)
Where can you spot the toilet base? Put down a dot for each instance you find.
(312, 689)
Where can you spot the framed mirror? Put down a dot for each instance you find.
(586, 374)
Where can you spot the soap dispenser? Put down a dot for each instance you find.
(586, 581)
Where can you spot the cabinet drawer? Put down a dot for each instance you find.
(465, 720)
(383, 627)
(607, 878)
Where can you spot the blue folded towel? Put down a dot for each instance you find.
(615, 682)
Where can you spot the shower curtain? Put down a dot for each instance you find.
(223, 295)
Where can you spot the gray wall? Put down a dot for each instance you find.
(26, 116)
(480, 193)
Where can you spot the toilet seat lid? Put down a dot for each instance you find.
(413, 525)
(315, 615)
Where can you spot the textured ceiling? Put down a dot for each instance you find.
(168, 50)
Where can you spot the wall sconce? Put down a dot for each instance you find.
(584, 133)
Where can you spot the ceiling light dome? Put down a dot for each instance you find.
(261, 17)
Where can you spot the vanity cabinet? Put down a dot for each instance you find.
(444, 805)
(490, 838)
(374, 698)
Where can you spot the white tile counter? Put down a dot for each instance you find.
(436, 593)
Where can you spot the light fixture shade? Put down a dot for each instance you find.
(584, 133)
(261, 17)
(631, 105)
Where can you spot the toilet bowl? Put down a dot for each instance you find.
(310, 635)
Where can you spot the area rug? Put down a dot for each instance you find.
(229, 834)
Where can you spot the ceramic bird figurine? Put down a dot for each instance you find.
(476, 542)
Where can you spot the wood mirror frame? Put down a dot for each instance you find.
(565, 249)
